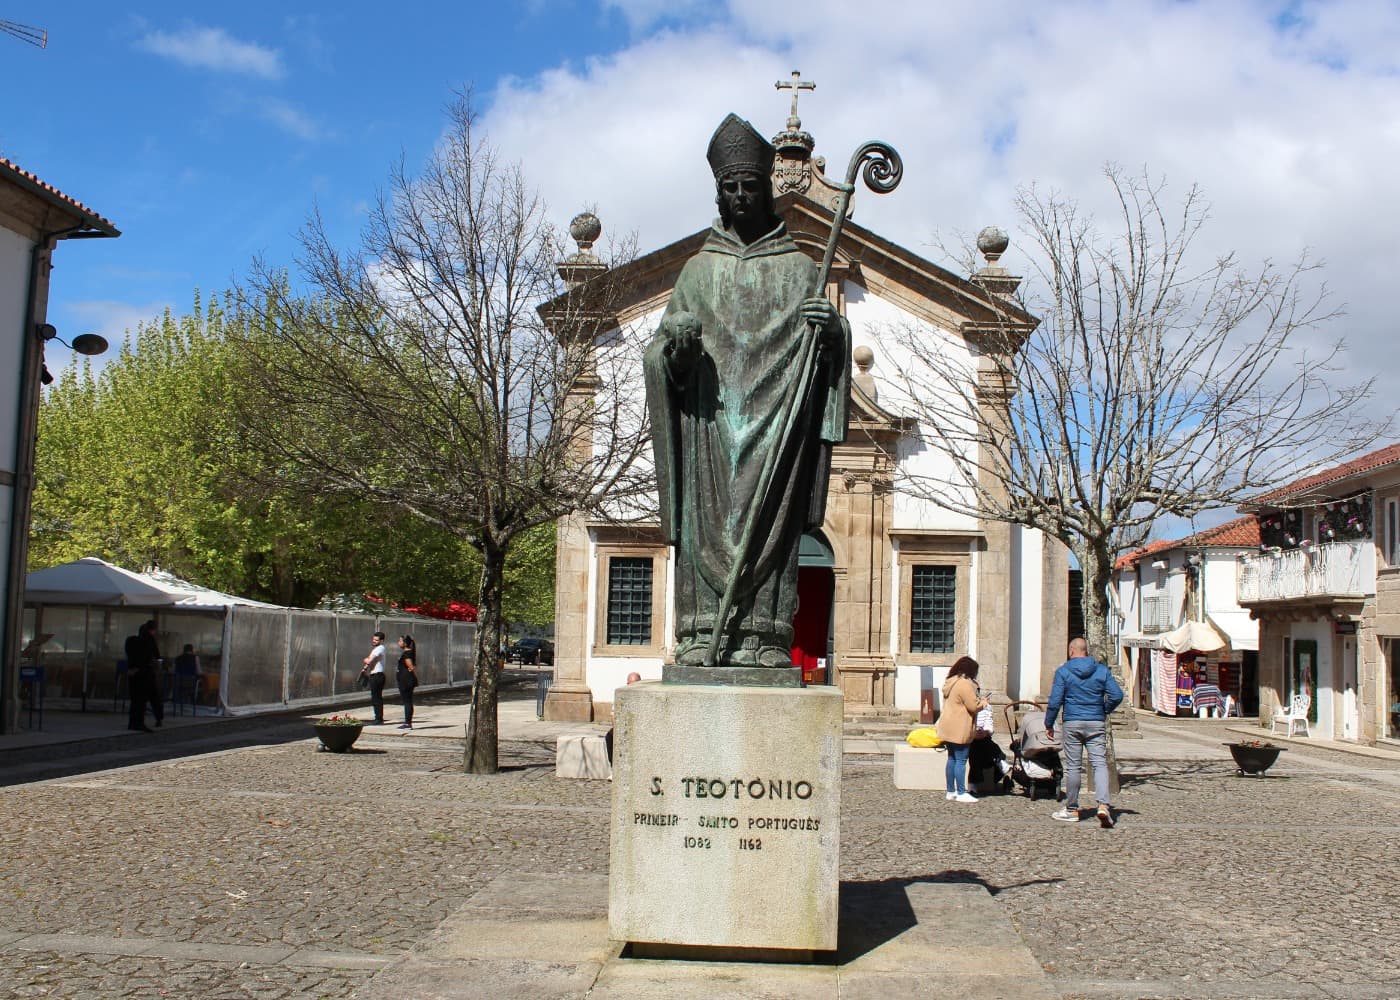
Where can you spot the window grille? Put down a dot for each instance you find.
(933, 609)
(629, 601)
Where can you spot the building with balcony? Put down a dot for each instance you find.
(1324, 586)
(1165, 586)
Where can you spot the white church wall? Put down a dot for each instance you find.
(879, 324)
(622, 398)
(1028, 560)
(608, 673)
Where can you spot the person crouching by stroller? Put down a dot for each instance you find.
(961, 702)
(1087, 692)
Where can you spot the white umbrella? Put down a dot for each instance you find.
(1193, 635)
(92, 581)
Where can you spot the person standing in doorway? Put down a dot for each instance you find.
(374, 668)
(407, 676)
(962, 700)
(1088, 694)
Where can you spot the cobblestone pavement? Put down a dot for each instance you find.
(272, 870)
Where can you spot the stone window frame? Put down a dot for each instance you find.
(606, 552)
(938, 550)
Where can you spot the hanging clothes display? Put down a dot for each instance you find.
(1164, 681)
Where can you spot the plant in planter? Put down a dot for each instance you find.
(1254, 756)
(338, 732)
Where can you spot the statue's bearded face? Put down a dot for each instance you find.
(744, 196)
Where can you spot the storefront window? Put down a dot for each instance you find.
(1392, 694)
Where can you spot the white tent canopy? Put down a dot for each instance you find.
(94, 581)
(1193, 635)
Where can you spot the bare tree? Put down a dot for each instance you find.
(443, 368)
(1152, 385)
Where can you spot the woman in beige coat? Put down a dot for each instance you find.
(962, 700)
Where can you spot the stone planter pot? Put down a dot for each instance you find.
(1254, 760)
(338, 739)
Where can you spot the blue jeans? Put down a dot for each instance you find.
(1077, 737)
(955, 771)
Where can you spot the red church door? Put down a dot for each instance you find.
(811, 626)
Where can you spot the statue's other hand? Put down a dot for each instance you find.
(819, 312)
(682, 333)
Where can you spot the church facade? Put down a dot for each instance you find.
(892, 589)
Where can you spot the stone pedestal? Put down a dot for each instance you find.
(920, 768)
(582, 757)
(726, 813)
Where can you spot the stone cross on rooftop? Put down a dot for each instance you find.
(796, 85)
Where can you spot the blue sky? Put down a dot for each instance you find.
(207, 139)
(207, 133)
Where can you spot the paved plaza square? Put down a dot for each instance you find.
(234, 860)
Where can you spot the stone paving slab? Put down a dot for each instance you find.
(893, 937)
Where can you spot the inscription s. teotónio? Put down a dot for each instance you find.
(737, 788)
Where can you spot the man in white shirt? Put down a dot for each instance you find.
(374, 667)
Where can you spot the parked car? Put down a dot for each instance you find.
(537, 651)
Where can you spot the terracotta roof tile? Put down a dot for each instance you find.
(1242, 532)
(1365, 463)
(23, 178)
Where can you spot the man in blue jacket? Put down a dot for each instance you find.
(1087, 692)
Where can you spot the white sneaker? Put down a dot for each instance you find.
(965, 797)
(951, 796)
(1066, 815)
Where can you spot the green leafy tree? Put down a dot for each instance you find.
(140, 463)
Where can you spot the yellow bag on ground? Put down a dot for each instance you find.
(925, 737)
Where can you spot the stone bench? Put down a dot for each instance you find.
(919, 768)
(587, 757)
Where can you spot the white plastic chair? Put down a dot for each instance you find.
(1232, 707)
(1297, 713)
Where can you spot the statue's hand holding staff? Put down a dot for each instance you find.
(821, 315)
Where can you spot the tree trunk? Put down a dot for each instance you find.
(482, 731)
(1097, 565)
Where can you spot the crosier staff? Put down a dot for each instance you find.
(883, 172)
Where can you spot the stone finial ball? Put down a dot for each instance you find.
(993, 239)
(585, 227)
(863, 356)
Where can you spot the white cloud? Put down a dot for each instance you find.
(1285, 117)
(214, 49)
(290, 119)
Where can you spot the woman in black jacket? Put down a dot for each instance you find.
(407, 676)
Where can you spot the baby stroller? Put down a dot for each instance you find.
(1035, 760)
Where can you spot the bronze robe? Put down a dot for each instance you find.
(714, 422)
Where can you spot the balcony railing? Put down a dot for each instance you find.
(1336, 569)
